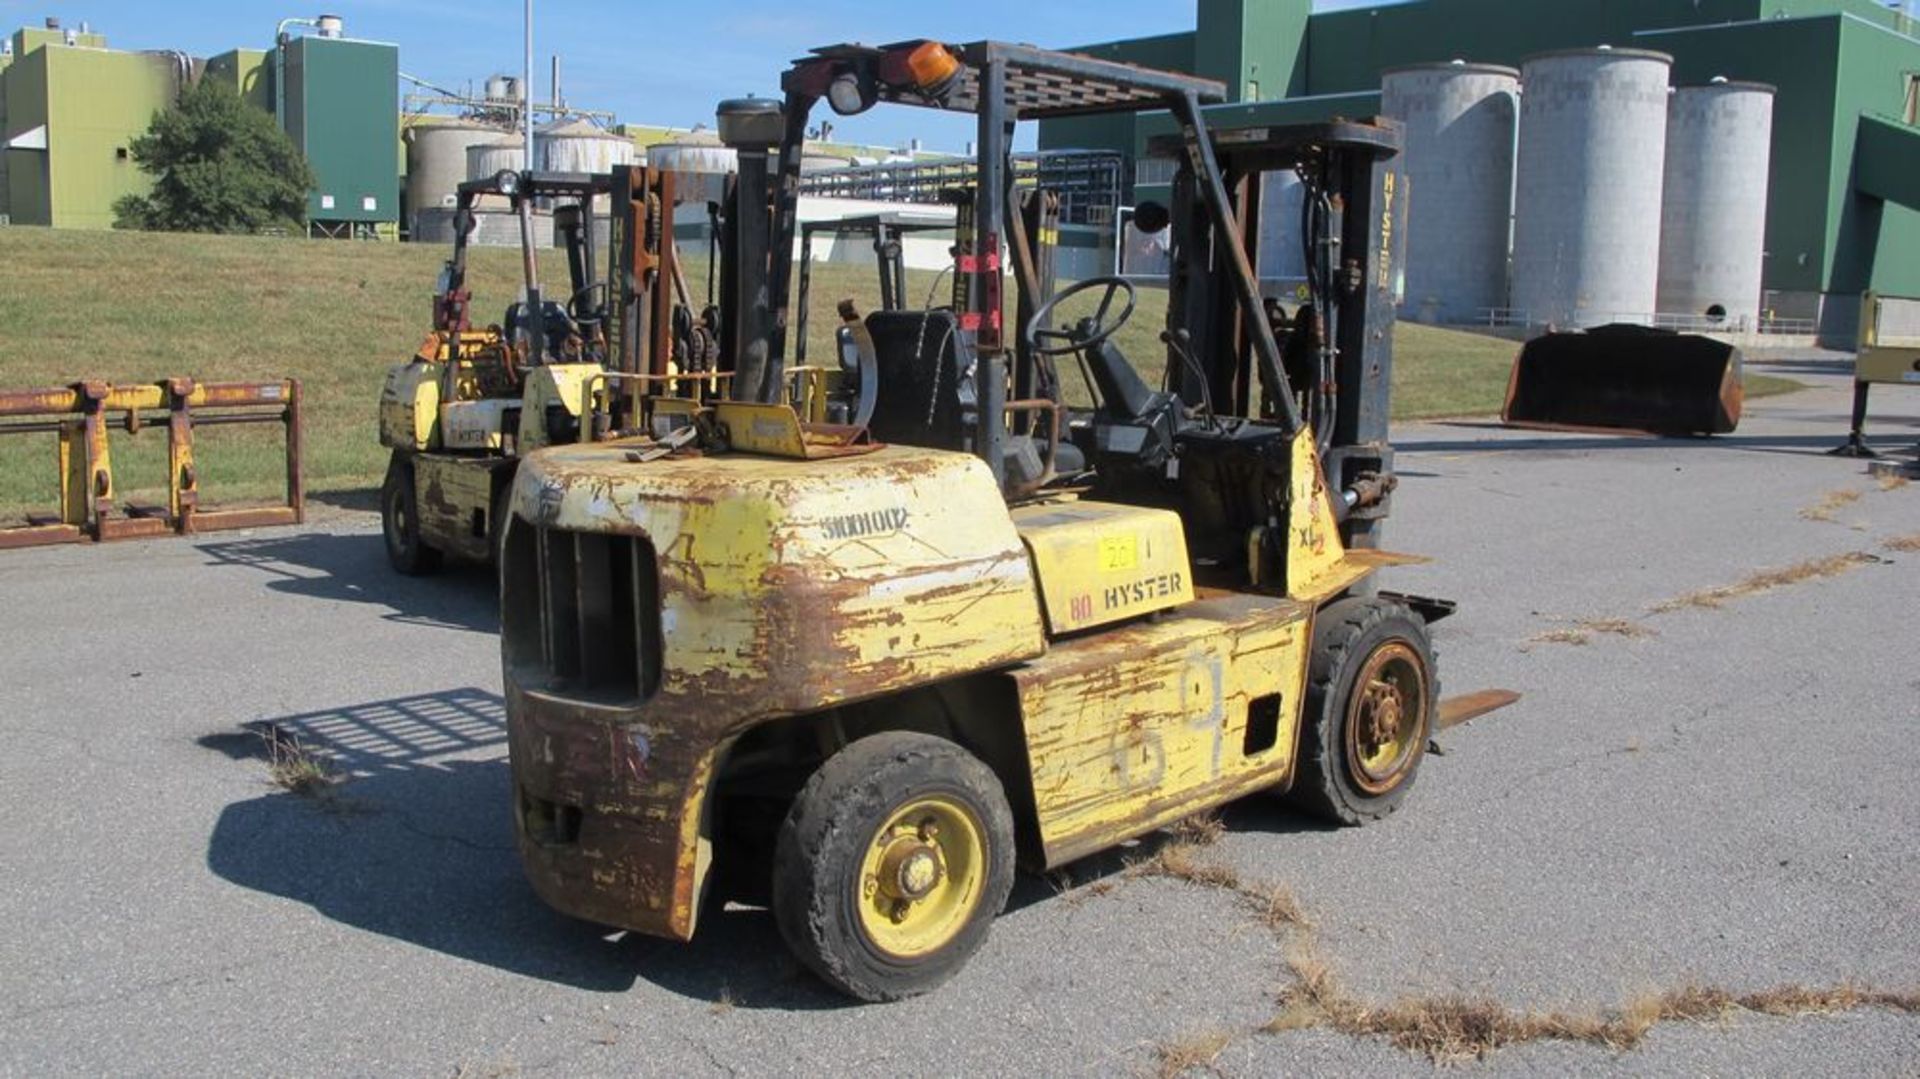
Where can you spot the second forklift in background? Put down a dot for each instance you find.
(561, 365)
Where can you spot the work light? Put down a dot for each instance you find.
(852, 92)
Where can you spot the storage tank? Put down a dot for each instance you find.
(1461, 120)
(1713, 218)
(489, 158)
(578, 146)
(437, 160)
(1586, 228)
(700, 164)
(504, 89)
(495, 224)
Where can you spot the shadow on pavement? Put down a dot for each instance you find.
(417, 844)
(1258, 813)
(353, 567)
(1804, 445)
(1804, 365)
(351, 500)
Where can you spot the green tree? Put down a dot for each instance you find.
(219, 165)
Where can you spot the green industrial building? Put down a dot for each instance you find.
(1844, 208)
(68, 112)
(339, 100)
(70, 108)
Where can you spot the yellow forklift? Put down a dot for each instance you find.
(562, 366)
(857, 672)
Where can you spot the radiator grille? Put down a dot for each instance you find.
(581, 612)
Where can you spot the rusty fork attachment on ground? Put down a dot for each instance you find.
(80, 416)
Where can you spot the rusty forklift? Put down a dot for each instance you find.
(568, 365)
(562, 366)
(856, 673)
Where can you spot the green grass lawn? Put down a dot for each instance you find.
(137, 307)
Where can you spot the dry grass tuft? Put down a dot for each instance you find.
(1276, 907)
(1806, 1000)
(1584, 631)
(1618, 627)
(1908, 543)
(1692, 1004)
(723, 1001)
(1177, 860)
(1812, 569)
(295, 767)
(1195, 1050)
(1199, 830)
(1462, 1028)
(1890, 481)
(1314, 985)
(1830, 504)
(1454, 1027)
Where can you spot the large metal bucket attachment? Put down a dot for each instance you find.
(1624, 377)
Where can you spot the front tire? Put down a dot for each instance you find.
(1370, 702)
(892, 864)
(400, 521)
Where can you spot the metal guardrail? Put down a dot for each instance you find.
(1087, 181)
(81, 415)
(1797, 327)
(1497, 317)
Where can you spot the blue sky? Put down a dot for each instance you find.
(650, 62)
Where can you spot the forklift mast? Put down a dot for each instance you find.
(1337, 362)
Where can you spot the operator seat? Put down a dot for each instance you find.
(559, 325)
(925, 394)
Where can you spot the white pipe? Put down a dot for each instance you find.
(526, 92)
(280, 31)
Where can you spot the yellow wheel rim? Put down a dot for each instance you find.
(921, 878)
(1386, 717)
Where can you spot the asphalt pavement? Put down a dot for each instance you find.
(1718, 796)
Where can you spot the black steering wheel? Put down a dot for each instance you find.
(1098, 328)
(584, 293)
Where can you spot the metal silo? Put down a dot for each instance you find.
(1460, 122)
(578, 146)
(700, 164)
(1714, 214)
(505, 152)
(1586, 228)
(437, 161)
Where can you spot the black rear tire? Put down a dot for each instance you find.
(821, 853)
(400, 521)
(1385, 642)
